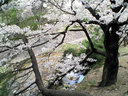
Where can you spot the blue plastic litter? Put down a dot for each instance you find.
(81, 77)
(72, 82)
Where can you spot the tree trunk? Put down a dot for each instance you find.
(110, 69)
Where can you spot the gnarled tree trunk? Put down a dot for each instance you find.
(110, 70)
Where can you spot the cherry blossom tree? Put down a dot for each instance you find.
(111, 16)
(15, 40)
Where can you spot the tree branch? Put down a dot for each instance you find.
(20, 77)
(4, 2)
(84, 61)
(76, 30)
(44, 42)
(59, 78)
(72, 7)
(90, 9)
(97, 22)
(24, 74)
(100, 52)
(24, 89)
(98, 4)
(59, 7)
(21, 69)
(64, 35)
(88, 37)
(8, 47)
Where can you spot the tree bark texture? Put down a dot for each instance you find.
(110, 69)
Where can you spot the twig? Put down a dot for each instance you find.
(76, 30)
(99, 52)
(61, 77)
(24, 89)
(64, 35)
(98, 4)
(90, 9)
(72, 7)
(8, 47)
(84, 61)
(59, 7)
(21, 69)
(24, 74)
(88, 37)
(44, 42)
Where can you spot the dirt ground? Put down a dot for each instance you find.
(89, 84)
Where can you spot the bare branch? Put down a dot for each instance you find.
(76, 30)
(20, 77)
(60, 8)
(115, 7)
(4, 2)
(85, 59)
(72, 7)
(88, 37)
(24, 74)
(90, 9)
(58, 33)
(8, 47)
(23, 69)
(24, 89)
(62, 3)
(59, 78)
(38, 34)
(44, 42)
(100, 52)
(64, 35)
(36, 71)
(97, 22)
(98, 4)
(121, 41)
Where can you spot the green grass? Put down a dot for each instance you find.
(75, 49)
(92, 82)
(89, 83)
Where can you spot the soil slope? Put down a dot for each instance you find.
(94, 77)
